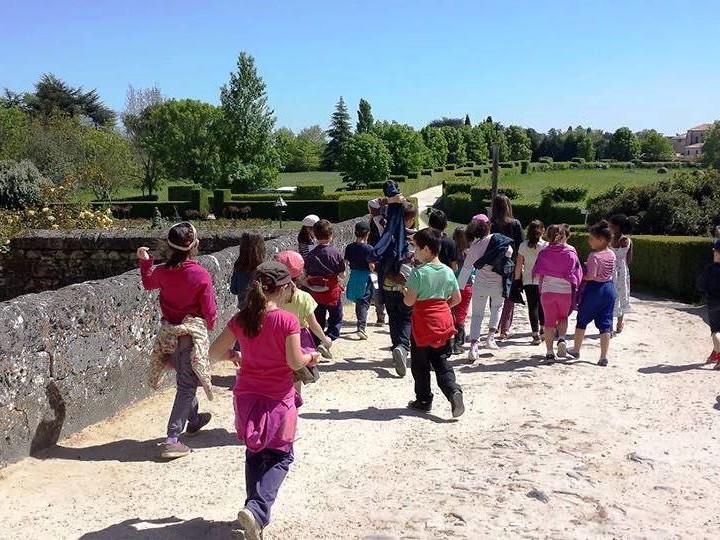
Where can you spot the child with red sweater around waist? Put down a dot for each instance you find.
(264, 396)
(187, 303)
(432, 291)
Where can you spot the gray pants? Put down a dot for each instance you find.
(185, 408)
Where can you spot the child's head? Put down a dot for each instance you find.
(427, 244)
(460, 237)
(251, 252)
(501, 210)
(716, 250)
(306, 234)
(558, 233)
(535, 232)
(272, 283)
(323, 231)
(292, 261)
(438, 220)
(374, 207)
(182, 244)
(479, 227)
(600, 235)
(620, 224)
(362, 230)
(410, 213)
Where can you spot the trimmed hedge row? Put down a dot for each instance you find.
(146, 209)
(460, 207)
(310, 191)
(181, 192)
(664, 265)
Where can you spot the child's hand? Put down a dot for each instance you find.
(142, 253)
(235, 357)
(327, 342)
(314, 359)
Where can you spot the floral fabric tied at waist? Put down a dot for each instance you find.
(166, 343)
(324, 289)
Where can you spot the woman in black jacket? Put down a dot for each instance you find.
(503, 222)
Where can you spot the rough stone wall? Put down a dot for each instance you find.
(77, 355)
(47, 260)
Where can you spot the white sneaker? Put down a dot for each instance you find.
(474, 351)
(562, 348)
(249, 525)
(361, 335)
(324, 351)
(491, 344)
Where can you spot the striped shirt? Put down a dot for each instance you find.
(600, 266)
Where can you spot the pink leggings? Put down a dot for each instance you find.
(556, 307)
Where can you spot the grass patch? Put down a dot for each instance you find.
(331, 180)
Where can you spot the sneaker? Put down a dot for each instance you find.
(203, 420)
(536, 340)
(361, 335)
(474, 351)
(458, 348)
(549, 357)
(562, 348)
(174, 450)
(491, 343)
(603, 362)
(324, 351)
(249, 525)
(456, 404)
(572, 354)
(399, 355)
(417, 405)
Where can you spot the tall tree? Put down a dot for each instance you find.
(339, 133)
(624, 145)
(406, 147)
(710, 156)
(586, 148)
(436, 144)
(245, 127)
(365, 159)
(475, 147)
(467, 120)
(447, 122)
(53, 94)
(655, 147)
(519, 148)
(13, 133)
(365, 121)
(107, 162)
(456, 145)
(136, 119)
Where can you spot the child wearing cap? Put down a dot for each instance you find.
(187, 304)
(360, 285)
(432, 291)
(306, 236)
(324, 266)
(708, 282)
(265, 400)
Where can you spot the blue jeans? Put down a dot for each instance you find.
(399, 318)
(264, 474)
(362, 305)
(333, 315)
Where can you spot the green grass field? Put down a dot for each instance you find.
(331, 180)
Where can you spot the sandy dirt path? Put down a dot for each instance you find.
(626, 451)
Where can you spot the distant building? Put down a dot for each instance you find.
(689, 145)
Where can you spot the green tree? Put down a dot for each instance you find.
(138, 125)
(182, 140)
(244, 130)
(710, 156)
(365, 121)
(436, 144)
(624, 145)
(107, 162)
(310, 143)
(475, 147)
(365, 159)
(586, 148)
(54, 145)
(456, 145)
(467, 120)
(53, 94)
(655, 147)
(495, 134)
(519, 148)
(339, 133)
(284, 143)
(21, 184)
(406, 147)
(13, 133)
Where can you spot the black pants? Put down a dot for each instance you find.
(535, 311)
(426, 358)
(398, 318)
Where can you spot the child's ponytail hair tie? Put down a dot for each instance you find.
(255, 283)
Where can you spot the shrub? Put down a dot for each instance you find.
(672, 213)
(308, 192)
(463, 174)
(258, 197)
(439, 169)
(470, 164)
(578, 160)
(480, 194)
(459, 207)
(545, 159)
(662, 170)
(450, 167)
(524, 167)
(413, 175)
(506, 165)
(399, 178)
(350, 206)
(181, 192)
(146, 209)
(21, 184)
(426, 172)
(564, 193)
(199, 200)
(459, 186)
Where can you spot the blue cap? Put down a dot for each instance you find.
(390, 189)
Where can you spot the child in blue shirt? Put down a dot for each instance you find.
(360, 285)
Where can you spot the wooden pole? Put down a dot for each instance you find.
(495, 168)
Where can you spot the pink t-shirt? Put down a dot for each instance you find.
(264, 362)
(184, 290)
(600, 266)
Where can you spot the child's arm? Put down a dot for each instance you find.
(519, 266)
(468, 266)
(454, 299)
(410, 297)
(316, 329)
(294, 356)
(221, 348)
(631, 253)
(147, 274)
(207, 303)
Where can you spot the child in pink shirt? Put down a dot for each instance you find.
(186, 290)
(598, 301)
(264, 396)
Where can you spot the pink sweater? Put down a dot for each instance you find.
(559, 261)
(185, 290)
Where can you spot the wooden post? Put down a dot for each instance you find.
(495, 168)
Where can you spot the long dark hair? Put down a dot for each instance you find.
(501, 210)
(623, 223)
(535, 232)
(304, 236)
(460, 237)
(251, 317)
(251, 252)
(184, 235)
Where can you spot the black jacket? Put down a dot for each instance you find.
(708, 283)
(495, 258)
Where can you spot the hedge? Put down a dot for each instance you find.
(260, 196)
(506, 165)
(146, 209)
(413, 175)
(439, 169)
(459, 186)
(459, 207)
(181, 192)
(399, 178)
(426, 172)
(664, 265)
(367, 194)
(524, 167)
(463, 174)
(477, 172)
(480, 194)
(470, 164)
(578, 160)
(564, 193)
(199, 200)
(309, 191)
(450, 167)
(545, 159)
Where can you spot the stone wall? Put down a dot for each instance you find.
(47, 260)
(77, 355)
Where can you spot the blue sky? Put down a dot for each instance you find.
(640, 63)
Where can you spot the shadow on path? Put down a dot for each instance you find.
(352, 364)
(667, 369)
(170, 528)
(375, 414)
(130, 450)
